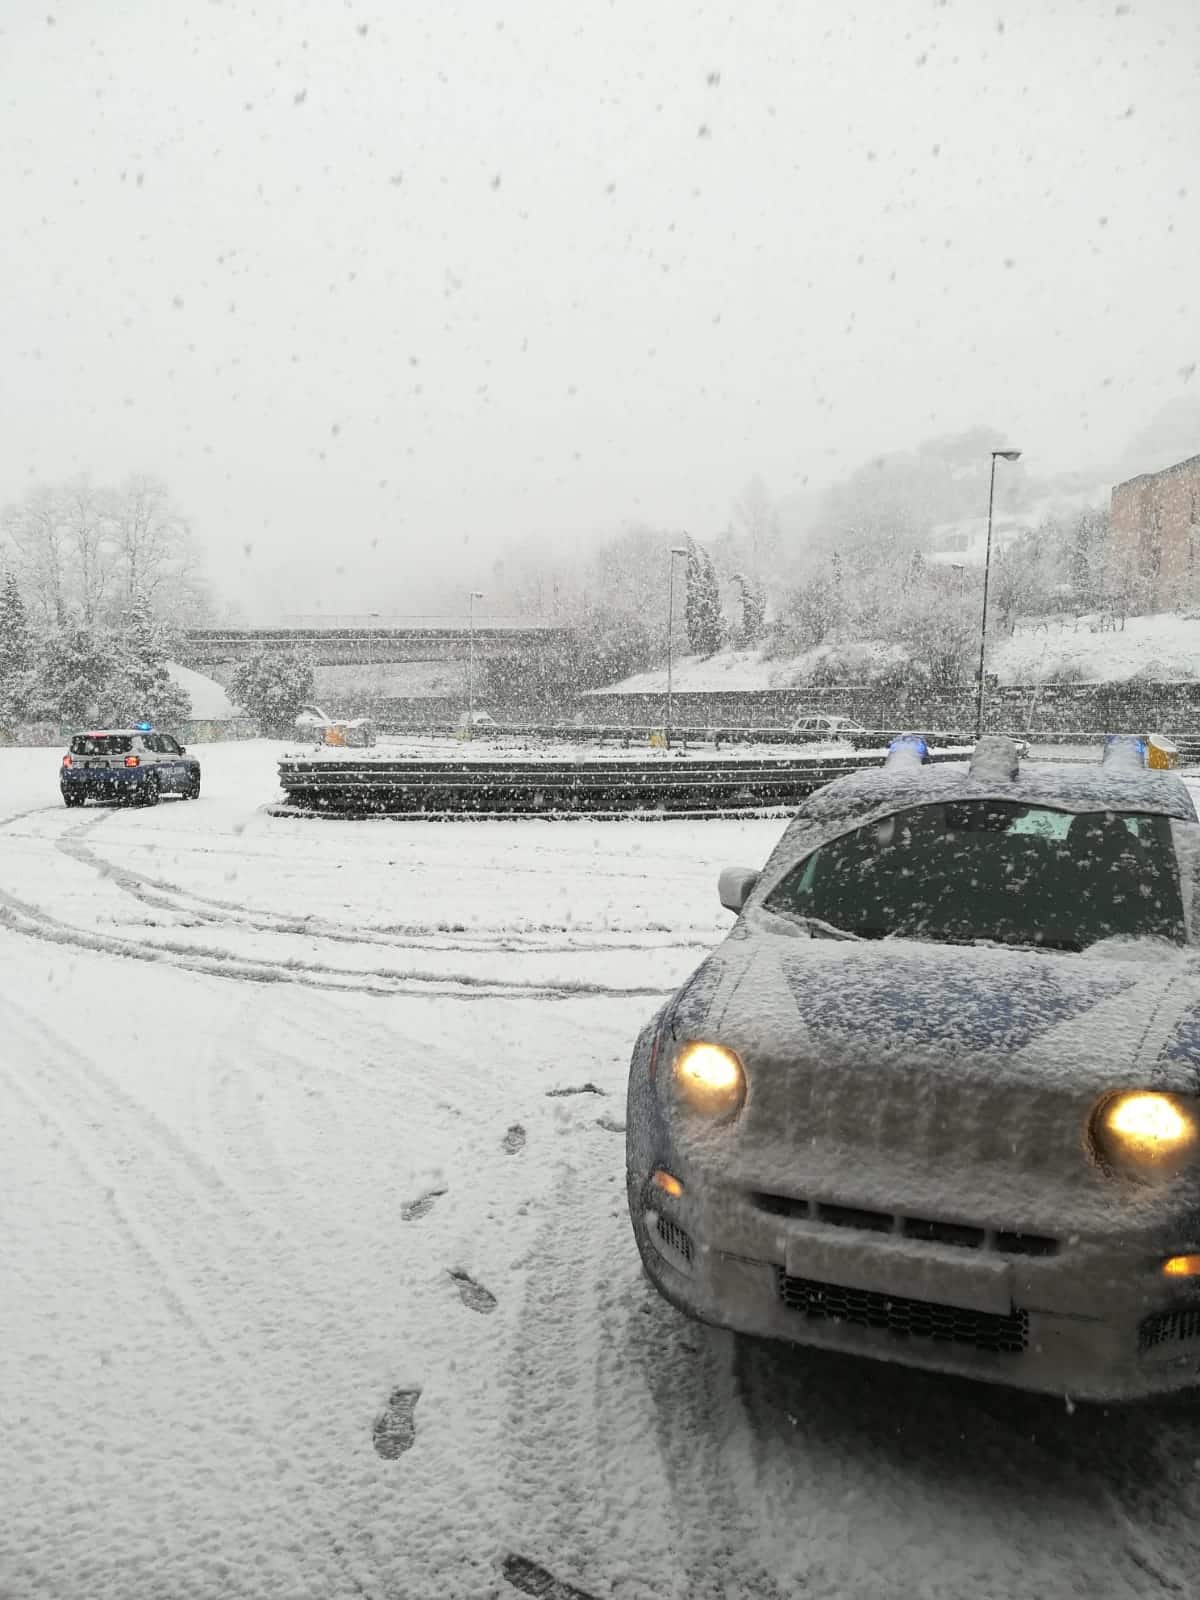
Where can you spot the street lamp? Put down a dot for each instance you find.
(676, 550)
(475, 594)
(1006, 455)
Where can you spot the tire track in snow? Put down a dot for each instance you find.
(606, 1503)
(163, 895)
(775, 1470)
(381, 983)
(196, 1298)
(950, 1488)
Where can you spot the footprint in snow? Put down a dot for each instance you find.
(609, 1125)
(473, 1295)
(414, 1210)
(583, 1088)
(527, 1577)
(395, 1428)
(514, 1139)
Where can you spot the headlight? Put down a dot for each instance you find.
(1144, 1134)
(710, 1078)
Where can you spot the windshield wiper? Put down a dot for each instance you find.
(825, 930)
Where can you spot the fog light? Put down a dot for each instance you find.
(1182, 1266)
(668, 1183)
(710, 1077)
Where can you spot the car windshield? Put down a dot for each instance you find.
(994, 870)
(101, 744)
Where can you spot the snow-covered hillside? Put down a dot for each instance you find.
(1165, 648)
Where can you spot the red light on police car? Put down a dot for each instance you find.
(132, 761)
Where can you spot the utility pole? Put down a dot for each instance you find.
(676, 550)
(474, 595)
(1006, 455)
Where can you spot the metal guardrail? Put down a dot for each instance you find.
(689, 786)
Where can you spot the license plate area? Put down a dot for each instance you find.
(886, 1265)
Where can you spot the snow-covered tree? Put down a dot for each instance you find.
(140, 686)
(86, 552)
(75, 664)
(16, 654)
(272, 687)
(15, 641)
(702, 607)
(753, 611)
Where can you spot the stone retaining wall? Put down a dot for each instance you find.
(1134, 707)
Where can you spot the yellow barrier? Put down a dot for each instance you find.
(1160, 752)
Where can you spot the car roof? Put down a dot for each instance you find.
(849, 802)
(111, 733)
(1062, 785)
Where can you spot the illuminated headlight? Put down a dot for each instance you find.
(710, 1078)
(1146, 1135)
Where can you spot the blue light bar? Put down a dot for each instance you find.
(1123, 750)
(906, 747)
(143, 727)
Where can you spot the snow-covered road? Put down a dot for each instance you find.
(317, 1280)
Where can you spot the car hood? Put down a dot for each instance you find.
(877, 1070)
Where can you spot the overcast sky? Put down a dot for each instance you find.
(378, 287)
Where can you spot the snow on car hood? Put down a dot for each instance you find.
(1132, 1006)
(951, 1080)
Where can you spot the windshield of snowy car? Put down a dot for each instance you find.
(995, 870)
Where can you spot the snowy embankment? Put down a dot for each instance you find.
(318, 1280)
(1164, 648)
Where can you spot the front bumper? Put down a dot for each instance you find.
(1094, 1320)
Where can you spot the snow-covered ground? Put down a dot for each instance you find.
(209, 701)
(1164, 647)
(317, 1280)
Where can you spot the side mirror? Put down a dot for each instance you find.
(735, 886)
(183, 749)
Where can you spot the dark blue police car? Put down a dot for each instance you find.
(136, 765)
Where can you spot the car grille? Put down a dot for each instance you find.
(671, 1233)
(1166, 1327)
(904, 1318)
(1006, 1241)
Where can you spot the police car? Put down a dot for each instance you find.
(136, 765)
(936, 1099)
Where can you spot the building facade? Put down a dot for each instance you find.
(1156, 535)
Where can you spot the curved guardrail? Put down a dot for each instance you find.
(682, 786)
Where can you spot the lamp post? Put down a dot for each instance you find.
(474, 595)
(676, 550)
(1006, 455)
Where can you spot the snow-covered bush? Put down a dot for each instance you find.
(271, 688)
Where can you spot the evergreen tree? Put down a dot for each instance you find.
(15, 646)
(754, 612)
(702, 608)
(16, 654)
(75, 666)
(140, 687)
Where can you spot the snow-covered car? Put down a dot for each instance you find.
(137, 765)
(310, 723)
(936, 1098)
(354, 732)
(824, 728)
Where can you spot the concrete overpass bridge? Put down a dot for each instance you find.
(340, 642)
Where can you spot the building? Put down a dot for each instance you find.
(1156, 535)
